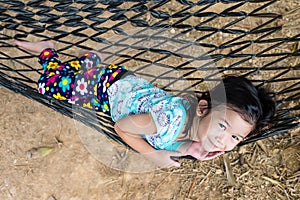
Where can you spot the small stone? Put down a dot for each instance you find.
(51, 198)
(290, 158)
(39, 152)
(28, 154)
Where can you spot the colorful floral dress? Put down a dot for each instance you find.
(80, 81)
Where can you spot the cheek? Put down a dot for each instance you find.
(213, 132)
(229, 143)
(202, 131)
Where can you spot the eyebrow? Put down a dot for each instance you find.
(224, 120)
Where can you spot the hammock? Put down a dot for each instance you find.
(177, 45)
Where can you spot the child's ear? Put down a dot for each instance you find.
(202, 108)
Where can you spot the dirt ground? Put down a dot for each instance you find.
(42, 157)
(71, 172)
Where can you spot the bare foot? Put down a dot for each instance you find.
(34, 46)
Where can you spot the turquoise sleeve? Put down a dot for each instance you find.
(175, 146)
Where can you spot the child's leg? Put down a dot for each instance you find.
(86, 62)
(36, 47)
(50, 60)
(65, 82)
(79, 89)
(75, 80)
(56, 85)
(90, 60)
(48, 57)
(84, 52)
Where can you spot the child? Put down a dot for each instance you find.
(157, 124)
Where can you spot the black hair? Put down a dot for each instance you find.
(254, 104)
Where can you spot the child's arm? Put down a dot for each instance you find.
(130, 130)
(134, 141)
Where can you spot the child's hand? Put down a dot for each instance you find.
(196, 150)
(162, 158)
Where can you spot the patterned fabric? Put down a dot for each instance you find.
(133, 95)
(80, 81)
(83, 82)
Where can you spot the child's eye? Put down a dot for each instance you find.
(236, 138)
(222, 126)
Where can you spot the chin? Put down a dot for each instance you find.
(208, 148)
(213, 150)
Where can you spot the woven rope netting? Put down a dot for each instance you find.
(167, 42)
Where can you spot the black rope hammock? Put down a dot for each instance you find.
(198, 40)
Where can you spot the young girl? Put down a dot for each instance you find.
(157, 124)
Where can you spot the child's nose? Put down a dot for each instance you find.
(220, 139)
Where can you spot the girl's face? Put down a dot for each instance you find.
(221, 130)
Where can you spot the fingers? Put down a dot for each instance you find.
(168, 163)
(176, 155)
(175, 164)
(171, 164)
(174, 159)
(163, 158)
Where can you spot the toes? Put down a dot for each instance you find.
(16, 43)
